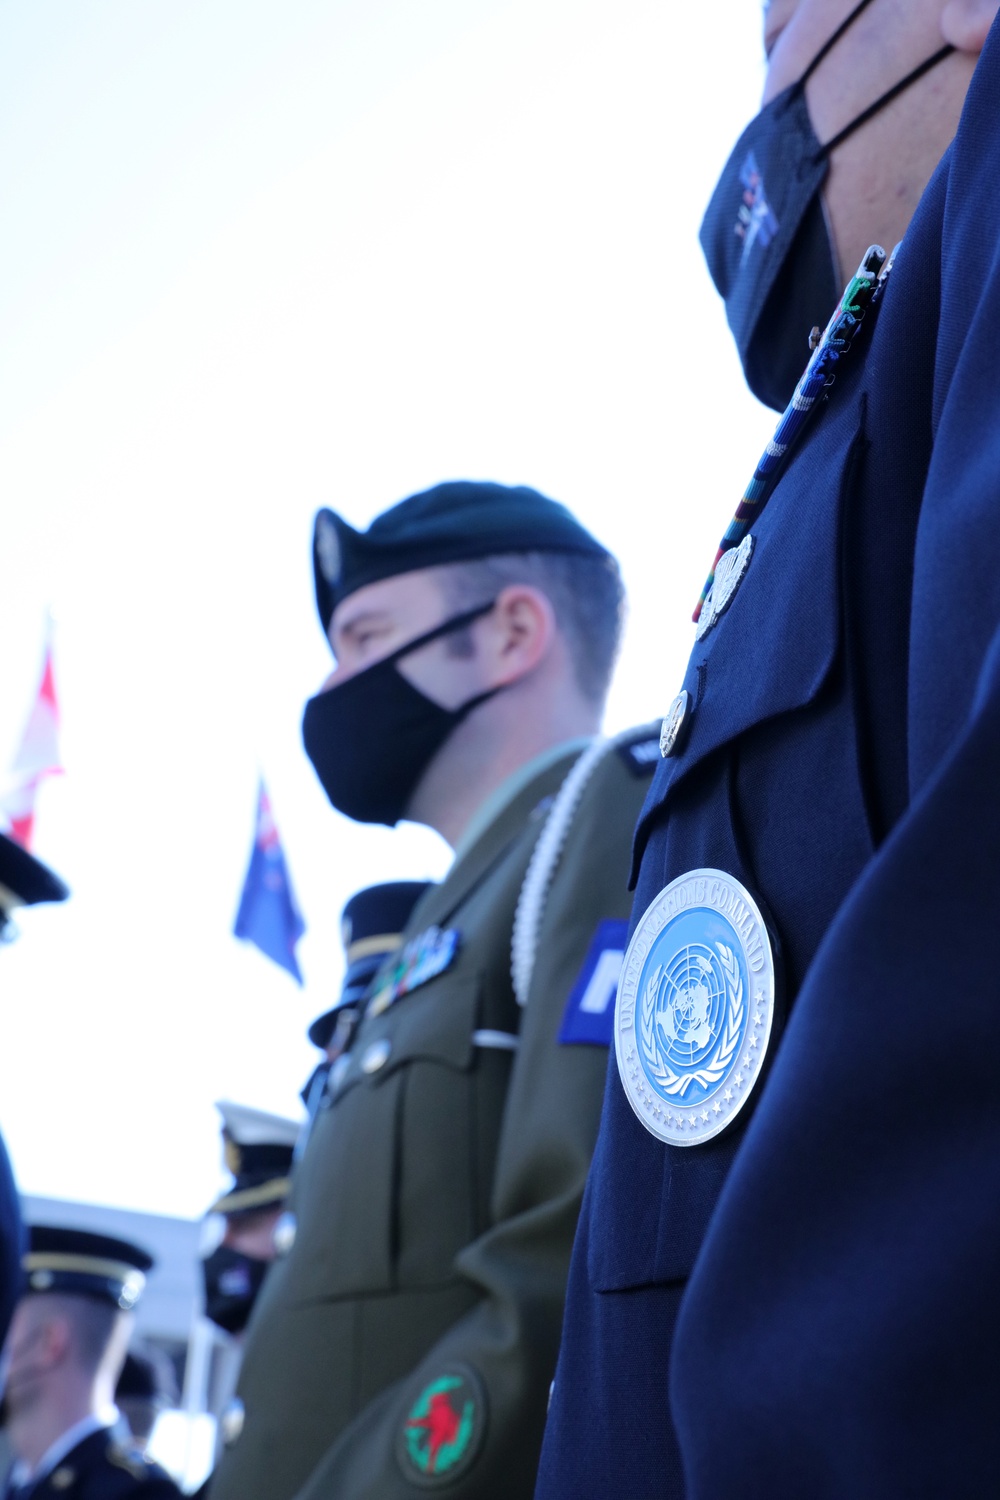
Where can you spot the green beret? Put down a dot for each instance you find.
(454, 522)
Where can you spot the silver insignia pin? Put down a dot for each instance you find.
(673, 722)
(729, 573)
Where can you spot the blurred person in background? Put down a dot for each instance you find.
(146, 1387)
(371, 929)
(65, 1351)
(24, 881)
(407, 1340)
(241, 1232)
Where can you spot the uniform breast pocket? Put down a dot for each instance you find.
(387, 1191)
(344, 1196)
(766, 788)
(450, 1112)
(648, 1204)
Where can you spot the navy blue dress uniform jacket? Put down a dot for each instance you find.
(839, 1308)
(11, 1243)
(100, 1468)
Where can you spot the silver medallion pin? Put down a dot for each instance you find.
(729, 573)
(674, 722)
(695, 1007)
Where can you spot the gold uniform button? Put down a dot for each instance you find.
(675, 722)
(376, 1056)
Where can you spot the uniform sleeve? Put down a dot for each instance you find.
(11, 1242)
(469, 1419)
(861, 1224)
(839, 1335)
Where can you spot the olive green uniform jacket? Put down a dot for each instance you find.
(408, 1340)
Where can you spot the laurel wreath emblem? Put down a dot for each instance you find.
(677, 1084)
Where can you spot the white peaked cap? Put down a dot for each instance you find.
(255, 1127)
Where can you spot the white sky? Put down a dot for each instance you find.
(260, 257)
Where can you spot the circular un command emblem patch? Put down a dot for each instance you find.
(695, 1007)
(444, 1428)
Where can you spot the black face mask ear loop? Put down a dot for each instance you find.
(456, 622)
(832, 41)
(886, 98)
(883, 99)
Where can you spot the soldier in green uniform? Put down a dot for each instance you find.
(65, 1352)
(407, 1341)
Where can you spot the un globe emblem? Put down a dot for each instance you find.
(689, 1004)
(695, 1007)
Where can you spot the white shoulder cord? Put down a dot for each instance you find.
(544, 859)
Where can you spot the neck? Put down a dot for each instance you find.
(32, 1432)
(497, 739)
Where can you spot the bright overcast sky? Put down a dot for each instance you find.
(260, 257)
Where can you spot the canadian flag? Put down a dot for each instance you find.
(37, 757)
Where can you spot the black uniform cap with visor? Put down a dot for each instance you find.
(84, 1264)
(371, 928)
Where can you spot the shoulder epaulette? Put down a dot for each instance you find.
(641, 754)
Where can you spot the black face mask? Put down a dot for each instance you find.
(372, 738)
(232, 1281)
(765, 236)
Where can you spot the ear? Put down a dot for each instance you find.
(521, 629)
(966, 23)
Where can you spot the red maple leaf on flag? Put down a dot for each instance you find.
(37, 757)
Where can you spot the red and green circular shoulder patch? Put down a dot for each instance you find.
(444, 1428)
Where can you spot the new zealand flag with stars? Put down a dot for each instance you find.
(269, 916)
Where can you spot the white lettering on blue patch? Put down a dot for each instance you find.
(590, 1009)
(600, 992)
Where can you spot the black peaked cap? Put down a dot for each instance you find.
(86, 1264)
(454, 522)
(24, 880)
(371, 927)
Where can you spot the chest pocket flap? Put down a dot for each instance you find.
(355, 1154)
(434, 1023)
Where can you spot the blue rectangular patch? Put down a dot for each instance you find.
(589, 1016)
